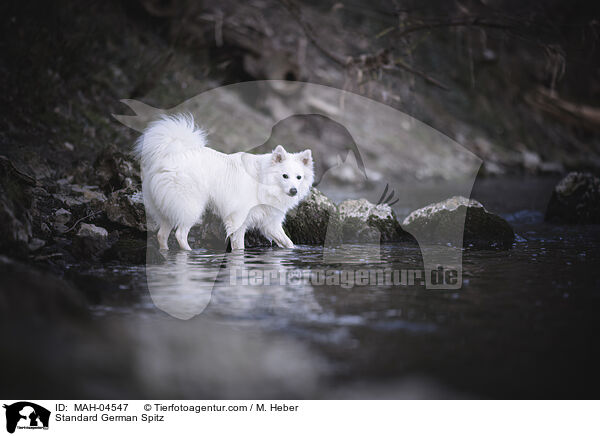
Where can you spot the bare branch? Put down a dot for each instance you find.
(464, 22)
(307, 28)
(371, 62)
(403, 65)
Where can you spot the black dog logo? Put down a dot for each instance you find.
(26, 414)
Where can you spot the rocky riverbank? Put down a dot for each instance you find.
(102, 218)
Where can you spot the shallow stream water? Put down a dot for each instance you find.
(521, 326)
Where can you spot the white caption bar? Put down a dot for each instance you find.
(155, 417)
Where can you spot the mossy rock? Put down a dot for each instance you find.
(314, 220)
(443, 223)
(363, 221)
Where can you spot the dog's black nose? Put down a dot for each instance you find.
(293, 191)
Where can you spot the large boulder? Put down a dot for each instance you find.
(443, 222)
(575, 200)
(364, 221)
(313, 220)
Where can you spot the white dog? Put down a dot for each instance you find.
(181, 177)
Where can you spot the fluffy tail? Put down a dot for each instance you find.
(172, 134)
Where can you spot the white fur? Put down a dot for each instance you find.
(181, 177)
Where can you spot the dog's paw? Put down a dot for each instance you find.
(282, 243)
(288, 244)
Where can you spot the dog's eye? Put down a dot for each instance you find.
(298, 177)
(285, 176)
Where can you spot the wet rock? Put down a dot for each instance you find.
(115, 170)
(575, 200)
(442, 222)
(126, 208)
(311, 221)
(15, 204)
(92, 241)
(363, 220)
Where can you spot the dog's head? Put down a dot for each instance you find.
(291, 172)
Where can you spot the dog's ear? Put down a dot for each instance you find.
(279, 154)
(306, 157)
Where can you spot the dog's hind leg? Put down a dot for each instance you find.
(189, 215)
(163, 235)
(235, 227)
(182, 234)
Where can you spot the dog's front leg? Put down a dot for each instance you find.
(237, 239)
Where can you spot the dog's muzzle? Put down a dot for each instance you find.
(293, 192)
